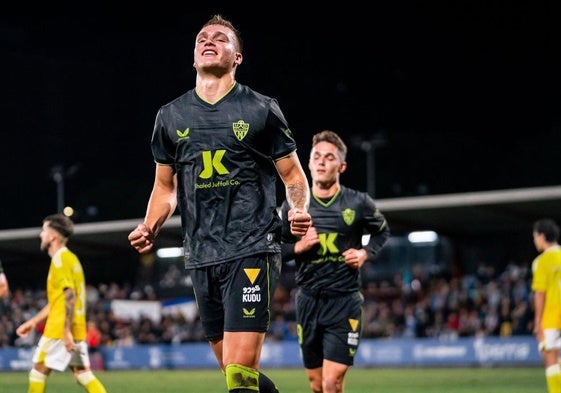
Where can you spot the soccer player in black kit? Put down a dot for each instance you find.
(218, 150)
(328, 258)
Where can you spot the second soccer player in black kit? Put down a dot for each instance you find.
(328, 258)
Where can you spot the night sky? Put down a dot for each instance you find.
(455, 99)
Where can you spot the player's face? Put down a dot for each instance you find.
(47, 235)
(216, 49)
(539, 241)
(325, 164)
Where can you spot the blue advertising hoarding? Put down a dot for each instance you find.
(488, 351)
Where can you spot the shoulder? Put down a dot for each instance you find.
(357, 198)
(168, 113)
(69, 256)
(248, 93)
(535, 263)
(353, 193)
(179, 101)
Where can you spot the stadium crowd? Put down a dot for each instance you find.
(486, 302)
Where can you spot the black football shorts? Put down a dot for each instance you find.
(236, 296)
(329, 326)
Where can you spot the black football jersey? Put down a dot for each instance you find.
(340, 223)
(224, 155)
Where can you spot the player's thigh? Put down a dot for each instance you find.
(242, 348)
(334, 370)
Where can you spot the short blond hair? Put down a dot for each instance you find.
(219, 20)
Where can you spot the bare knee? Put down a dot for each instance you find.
(42, 368)
(333, 383)
(315, 378)
(334, 377)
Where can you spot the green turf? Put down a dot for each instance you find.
(359, 380)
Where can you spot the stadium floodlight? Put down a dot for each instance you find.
(59, 174)
(422, 237)
(169, 252)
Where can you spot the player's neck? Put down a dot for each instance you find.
(325, 191)
(54, 248)
(212, 88)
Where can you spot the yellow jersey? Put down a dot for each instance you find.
(65, 271)
(546, 270)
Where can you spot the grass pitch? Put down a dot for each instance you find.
(359, 380)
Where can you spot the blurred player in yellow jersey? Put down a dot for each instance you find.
(546, 279)
(63, 343)
(4, 287)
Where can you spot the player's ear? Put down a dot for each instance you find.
(239, 58)
(343, 167)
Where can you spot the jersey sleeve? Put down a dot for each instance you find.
(375, 225)
(539, 280)
(62, 275)
(282, 142)
(161, 145)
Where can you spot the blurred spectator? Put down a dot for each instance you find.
(4, 287)
(93, 338)
(485, 303)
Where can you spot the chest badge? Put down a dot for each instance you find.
(348, 216)
(240, 129)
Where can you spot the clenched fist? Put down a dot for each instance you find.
(300, 221)
(141, 238)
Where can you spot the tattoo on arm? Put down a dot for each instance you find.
(298, 196)
(70, 297)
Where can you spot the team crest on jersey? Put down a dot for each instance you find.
(348, 216)
(240, 129)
